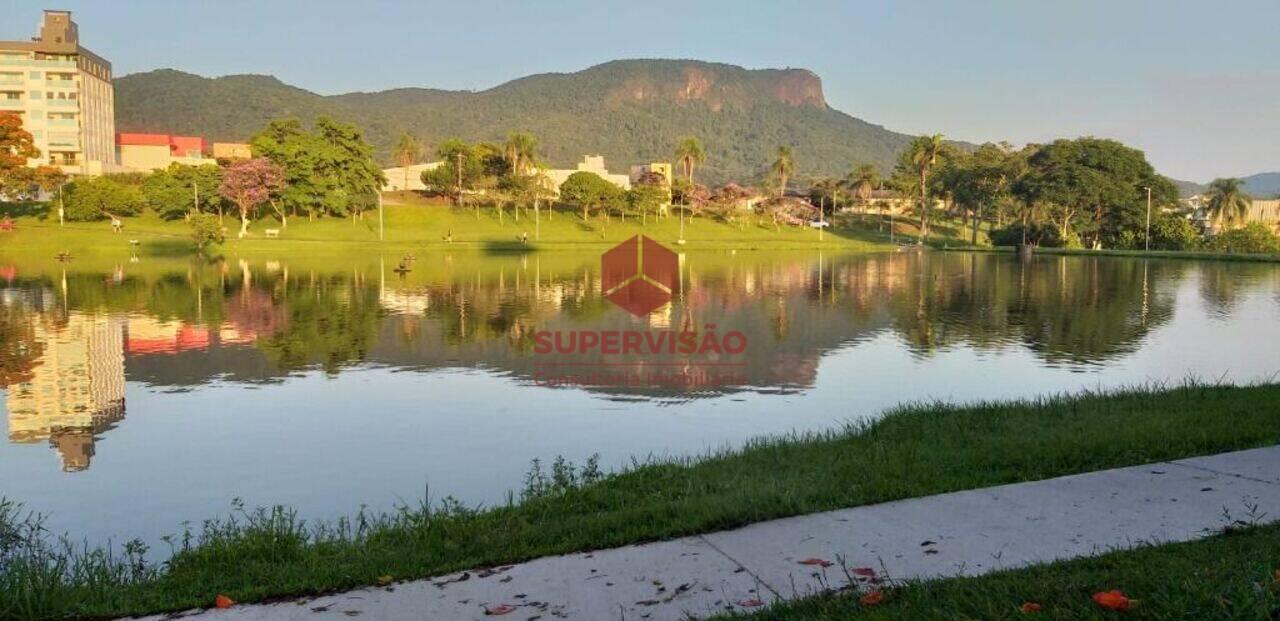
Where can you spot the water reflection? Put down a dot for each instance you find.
(71, 336)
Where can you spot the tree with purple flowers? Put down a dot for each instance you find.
(249, 184)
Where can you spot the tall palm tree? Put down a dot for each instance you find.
(784, 166)
(689, 154)
(521, 150)
(1227, 201)
(923, 153)
(864, 179)
(407, 152)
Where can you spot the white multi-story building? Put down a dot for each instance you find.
(64, 95)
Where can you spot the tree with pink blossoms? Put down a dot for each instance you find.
(249, 184)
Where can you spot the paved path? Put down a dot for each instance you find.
(963, 533)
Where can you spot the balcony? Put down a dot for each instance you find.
(62, 103)
(13, 81)
(60, 83)
(31, 62)
(12, 104)
(63, 123)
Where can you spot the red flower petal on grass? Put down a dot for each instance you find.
(750, 603)
(864, 572)
(500, 609)
(1112, 600)
(1030, 607)
(817, 561)
(222, 601)
(873, 598)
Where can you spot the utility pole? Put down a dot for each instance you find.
(61, 208)
(380, 220)
(195, 204)
(1147, 244)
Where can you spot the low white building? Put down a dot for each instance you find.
(410, 178)
(590, 163)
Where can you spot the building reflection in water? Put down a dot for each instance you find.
(75, 390)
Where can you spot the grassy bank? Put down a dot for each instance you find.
(1228, 576)
(1153, 254)
(914, 451)
(420, 224)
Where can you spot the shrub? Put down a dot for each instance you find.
(95, 198)
(1252, 238)
(1037, 234)
(205, 230)
(1173, 232)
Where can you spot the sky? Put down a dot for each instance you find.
(1194, 84)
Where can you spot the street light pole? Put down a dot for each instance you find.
(380, 221)
(1147, 243)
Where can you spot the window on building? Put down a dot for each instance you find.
(35, 94)
(34, 75)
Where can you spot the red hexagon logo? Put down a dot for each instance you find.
(639, 275)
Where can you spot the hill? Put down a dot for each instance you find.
(1263, 185)
(630, 111)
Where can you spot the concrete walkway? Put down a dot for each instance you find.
(963, 533)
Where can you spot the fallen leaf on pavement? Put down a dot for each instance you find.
(1112, 600)
(817, 561)
(385, 580)
(500, 609)
(873, 598)
(865, 572)
(1030, 607)
(222, 601)
(750, 603)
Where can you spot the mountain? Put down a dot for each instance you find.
(1263, 185)
(1188, 188)
(630, 111)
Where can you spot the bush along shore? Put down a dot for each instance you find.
(915, 450)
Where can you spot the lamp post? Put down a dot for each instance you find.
(1147, 244)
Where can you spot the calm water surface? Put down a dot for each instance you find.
(142, 395)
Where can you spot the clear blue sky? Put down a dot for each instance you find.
(1195, 84)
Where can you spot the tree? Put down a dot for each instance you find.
(783, 167)
(919, 159)
(95, 198)
(1090, 189)
(330, 170)
(166, 195)
(864, 179)
(249, 184)
(979, 180)
(649, 193)
(590, 191)
(690, 154)
(16, 147)
(521, 150)
(1227, 202)
(407, 151)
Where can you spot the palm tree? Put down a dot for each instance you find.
(407, 152)
(521, 150)
(689, 153)
(863, 180)
(923, 153)
(784, 165)
(1227, 201)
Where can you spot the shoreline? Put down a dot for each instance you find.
(269, 553)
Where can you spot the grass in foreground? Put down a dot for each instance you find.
(1229, 576)
(913, 451)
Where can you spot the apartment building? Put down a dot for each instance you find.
(64, 95)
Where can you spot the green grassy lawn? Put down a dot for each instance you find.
(420, 224)
(915, 451)
(1228, 576)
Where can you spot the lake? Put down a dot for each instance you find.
(142, 395)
